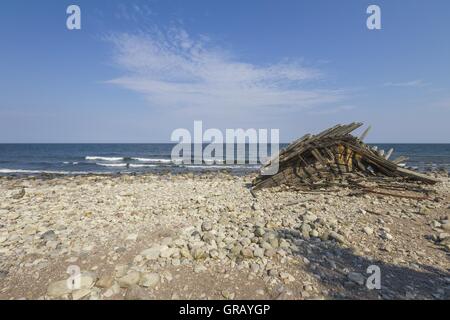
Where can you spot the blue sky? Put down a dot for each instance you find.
(137, 70)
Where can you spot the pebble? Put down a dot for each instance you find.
(149, 280)
(58, 289)
(129, 279)
(357, 278)
(368, 230)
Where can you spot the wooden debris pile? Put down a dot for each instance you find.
(335, 157)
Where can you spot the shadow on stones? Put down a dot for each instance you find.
(330, 264)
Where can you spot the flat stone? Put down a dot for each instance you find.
(149, 280)
(207, 226)
(259, 232)
(151, 253)
(198, 253)
(80, 294)
(48, 235)
(247, 253)
(199, 268)
(58, 289)
(129, 279)
(337, 237)
(258, 252)
(269, 253)
(135, 292)
(357, 278)
(105, 281)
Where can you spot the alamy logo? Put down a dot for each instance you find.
(74, 20)
(374, 20)
(374, 280)
(234, 144)
(74, 280)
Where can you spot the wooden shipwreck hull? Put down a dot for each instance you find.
(332, 157)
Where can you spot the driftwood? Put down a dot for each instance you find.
(335, 157)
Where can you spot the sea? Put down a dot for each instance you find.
(79, 159)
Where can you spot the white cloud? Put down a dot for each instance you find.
(173, 70)
(333, 110)
(413, 83)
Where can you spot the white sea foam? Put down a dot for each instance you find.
(104, 158)
(143, 165)
(111, 164)
(152, 160)
(9, 171)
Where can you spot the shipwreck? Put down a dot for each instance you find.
(335, 157)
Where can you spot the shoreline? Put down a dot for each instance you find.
(204, 236)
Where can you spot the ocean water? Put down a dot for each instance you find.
(32, 159)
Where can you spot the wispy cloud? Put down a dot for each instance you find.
(333, 110)
(413, 83)
(174, 70)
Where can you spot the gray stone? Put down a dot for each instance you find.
(259, 232)
(149, 280)
(58, 289)
(49, 235)
(368, 230)
(337, 237)
(151, 253)
(135, 292)
(129, 279)
(258, 252)
(357, 278)
(207, 226)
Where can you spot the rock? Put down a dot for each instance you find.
(105, 281)
(80, 294)
(132, 237)
(228, 294)
(129, 279)
(87, 280)
(113, 290)
(199, 268)
(151, 253)
(135, 292)
(247, 253)
(446, 226)
(245, 242)
(166, 252)
(260, 292)
(386, 236)
(274, 242)
(286, 277)
(149, 280)
(309, 217)
(184, 252)
(337, 237)
(273, 273)
(58, 289)
(269, 253)
(19, 195)
(258, 252)
(368, 230)
(49, 235)
(121, 270)
(207, 226)
(198, 253)
(357, 278)
(259, 232)
(442, 236)
(314, 234)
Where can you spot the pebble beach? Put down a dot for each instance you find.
(206, 236)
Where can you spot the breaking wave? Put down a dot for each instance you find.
(104, 158)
